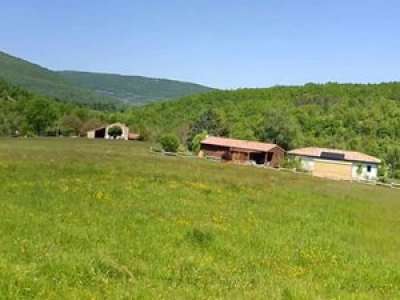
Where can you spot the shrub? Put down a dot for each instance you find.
(200, 237)
(384, 179)
(115, 131)
(197, 140)
(144, 133)
(67, 131)
(182, 149)
(384, 170)
(30, 134)
(292, 163)
(169, 143)
(396, 174)
(156, 148)
(359, 170)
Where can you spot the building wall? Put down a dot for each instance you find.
(364, 174)
(91, 134)
(213, 151)
(307, 163)
(277, 158)
(240, 157)
(333, 169)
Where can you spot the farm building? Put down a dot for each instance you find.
(240, 151)
(105, 132)
(337, 164)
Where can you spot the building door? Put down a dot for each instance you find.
(258, 157)
(100, 133)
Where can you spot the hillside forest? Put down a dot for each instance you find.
(97, 90)
(356, 117)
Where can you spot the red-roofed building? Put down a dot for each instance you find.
(241, 151)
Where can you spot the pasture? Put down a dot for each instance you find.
(84, 219)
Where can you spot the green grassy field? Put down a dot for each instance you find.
(86, 219)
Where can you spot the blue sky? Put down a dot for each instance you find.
(220, 43)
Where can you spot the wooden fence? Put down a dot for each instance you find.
(389, 185)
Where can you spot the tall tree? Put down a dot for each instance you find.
(211, 122)
(71, 123)
(280, 127)
(40, 114)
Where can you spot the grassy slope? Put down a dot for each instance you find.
(93, 219)
(133, 89)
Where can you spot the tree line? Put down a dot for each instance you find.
(24, 113)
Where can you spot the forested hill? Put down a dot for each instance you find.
(348, 116)
(92, 88)
(133, 89)
(46, 82)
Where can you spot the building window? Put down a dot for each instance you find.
(369, 169)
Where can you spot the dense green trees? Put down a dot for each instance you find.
(393, 160)
(24, 113)
(71, 124)
(40, 114)
(210, 122)
(280, 127)
(131, 89)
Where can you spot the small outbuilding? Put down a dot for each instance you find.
(105, 132)
(241, 151)
(337, 164)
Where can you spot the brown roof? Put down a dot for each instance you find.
(133, 136)
(348, 155)
(241, 144)
(109, 125)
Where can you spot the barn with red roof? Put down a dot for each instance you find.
(241, 151)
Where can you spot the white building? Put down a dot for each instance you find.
(102, 132)
(337, 164)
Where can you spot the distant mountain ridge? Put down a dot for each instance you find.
(92, 88)
(44, 81)
(132, 89)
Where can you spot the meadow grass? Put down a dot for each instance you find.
(83, 219)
